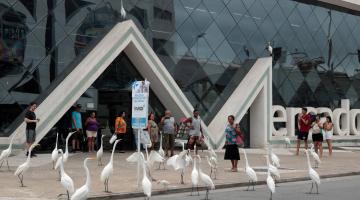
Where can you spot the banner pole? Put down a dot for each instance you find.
(138, 150)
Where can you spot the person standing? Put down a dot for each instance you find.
(120, 129)
(31, 121)
(92, 127)
(317, 136)
(153, 130)
(76, 126)
(169, 129)
(328, 132)
(304, 123)
(195, 133)
(232, 130)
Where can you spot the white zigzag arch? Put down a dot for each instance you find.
(125, 36)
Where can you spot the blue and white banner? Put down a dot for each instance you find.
(140, 104)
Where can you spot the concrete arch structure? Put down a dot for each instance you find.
(253, 92)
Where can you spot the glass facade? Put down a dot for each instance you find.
(207, 46)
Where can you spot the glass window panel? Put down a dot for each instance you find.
(214, 36)
(214, 6)
(225, 21)
(237, 9)
(188, 32)
(225, 53)
(201, 18)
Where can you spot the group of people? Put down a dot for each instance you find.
(321, 128)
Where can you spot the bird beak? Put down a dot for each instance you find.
(91, 158)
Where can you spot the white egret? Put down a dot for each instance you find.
(211, 151)
(164, 183)
(100, 152)
(287, 142)
(269, 180)
(161, 152)
(206, 180)
(4, 156)
(145, 183)
(273, 157)
(122, 11)
(315, 156)
(55, 152)
(212, 161)
(65, 179)
(108, 169)
(66, 154)
(250, 172)
(195, 177)
(82, 192)
(269, 48)
(274, 172)
(25, 166)
(314, 176)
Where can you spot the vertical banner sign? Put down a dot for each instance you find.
(140, 102)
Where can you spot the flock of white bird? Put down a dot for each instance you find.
(179, 162)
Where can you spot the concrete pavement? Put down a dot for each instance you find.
(41, 180)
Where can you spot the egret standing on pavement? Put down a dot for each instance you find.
(313, 175)
(4, 156)
(82, 192)
(108, 169)
(100, 152)
(20, 171)
(65, 179)
(250, 172)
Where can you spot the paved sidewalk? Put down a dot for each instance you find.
(41, 181)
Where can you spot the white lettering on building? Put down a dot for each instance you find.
(346, 121)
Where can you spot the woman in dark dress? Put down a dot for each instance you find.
(231, 149)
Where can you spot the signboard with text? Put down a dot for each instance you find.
(140, 102)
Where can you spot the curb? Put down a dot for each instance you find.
(220, 186)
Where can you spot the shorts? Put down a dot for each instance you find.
(317, 137)
(169, 140)
(30, 136)
(91, 133)
(193, 140)
(328, 135)
(303, 135)
(154, 137)
(78, 135)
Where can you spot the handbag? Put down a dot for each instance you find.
(239, 139)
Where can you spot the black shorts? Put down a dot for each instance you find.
(30, 136)
(318, 137)
(303, 135)
(78, 135)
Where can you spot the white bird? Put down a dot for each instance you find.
(314, 176)
(212, 161)
(65, 179)
(25, 166)
(195, 177)
(100, 152)
(164, 183)
(4, 156)
(315, 156)
(274, 172)
(66, 154)
(273, 157)
(161, 152)
(269, 180)
(250, 172)
(269, 48)
(55, 152)
(108, 169)
(82, 192)
(287, 142)
(155, 157)
(145, 183)
(206, 180)
(178, 162)
(122, 11)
